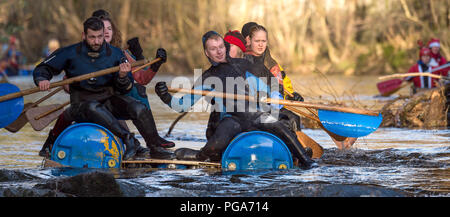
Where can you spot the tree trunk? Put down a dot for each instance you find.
(123, 18)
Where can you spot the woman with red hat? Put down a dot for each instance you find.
(423, 66)
(436, 58)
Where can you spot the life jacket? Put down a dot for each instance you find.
(424, 81)
(143, 76)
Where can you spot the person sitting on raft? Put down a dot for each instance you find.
(99, 100)
(141, 77)
(237, 49)
(258, 52)
(423, 66)
(233, 120)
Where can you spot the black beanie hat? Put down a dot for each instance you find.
(100, 12)
(246, 28)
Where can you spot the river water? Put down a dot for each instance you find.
(413, 161)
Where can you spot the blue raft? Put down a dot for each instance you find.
(88, 145)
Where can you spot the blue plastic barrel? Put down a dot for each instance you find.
(256, 150)
(11, 109)
(88, 145)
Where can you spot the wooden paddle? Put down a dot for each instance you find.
(304, 139)
(22, 119)
(315, 118)
(40, 117)
(343, 121)
(387, 88)
(76, 79)
(276, 101)
(402, 75)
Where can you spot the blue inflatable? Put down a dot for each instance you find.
(88, 145)
(256, 150)
(11, 109)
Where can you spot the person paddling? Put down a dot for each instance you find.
(257, 51)
(138, 91)
(234, 120)
(423, 66)
(237, 50)
(141, 77)
(98, 100)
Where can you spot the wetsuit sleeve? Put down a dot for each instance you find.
(52, 65)
(184, 103)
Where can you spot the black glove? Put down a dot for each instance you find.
(135, 48)
(296, 97)
(163, 92)
(160, 53)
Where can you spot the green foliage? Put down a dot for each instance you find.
(396, 59)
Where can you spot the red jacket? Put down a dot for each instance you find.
(437, 60)
(419, 81)
(143, 76)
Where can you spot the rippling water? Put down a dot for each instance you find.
(410, 160)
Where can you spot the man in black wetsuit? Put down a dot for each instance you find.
(100, 100)
(235, 120)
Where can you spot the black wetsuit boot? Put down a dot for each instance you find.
(226, 130)
(46, 148)
(147, 128)
(129, 108)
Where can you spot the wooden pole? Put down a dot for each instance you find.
(75, 79)
(412, 75)
(276, 101)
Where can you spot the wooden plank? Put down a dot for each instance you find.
(162, 161)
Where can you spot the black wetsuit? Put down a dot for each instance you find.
(100, 100)
(233, 122)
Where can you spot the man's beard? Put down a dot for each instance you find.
(95, 47)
